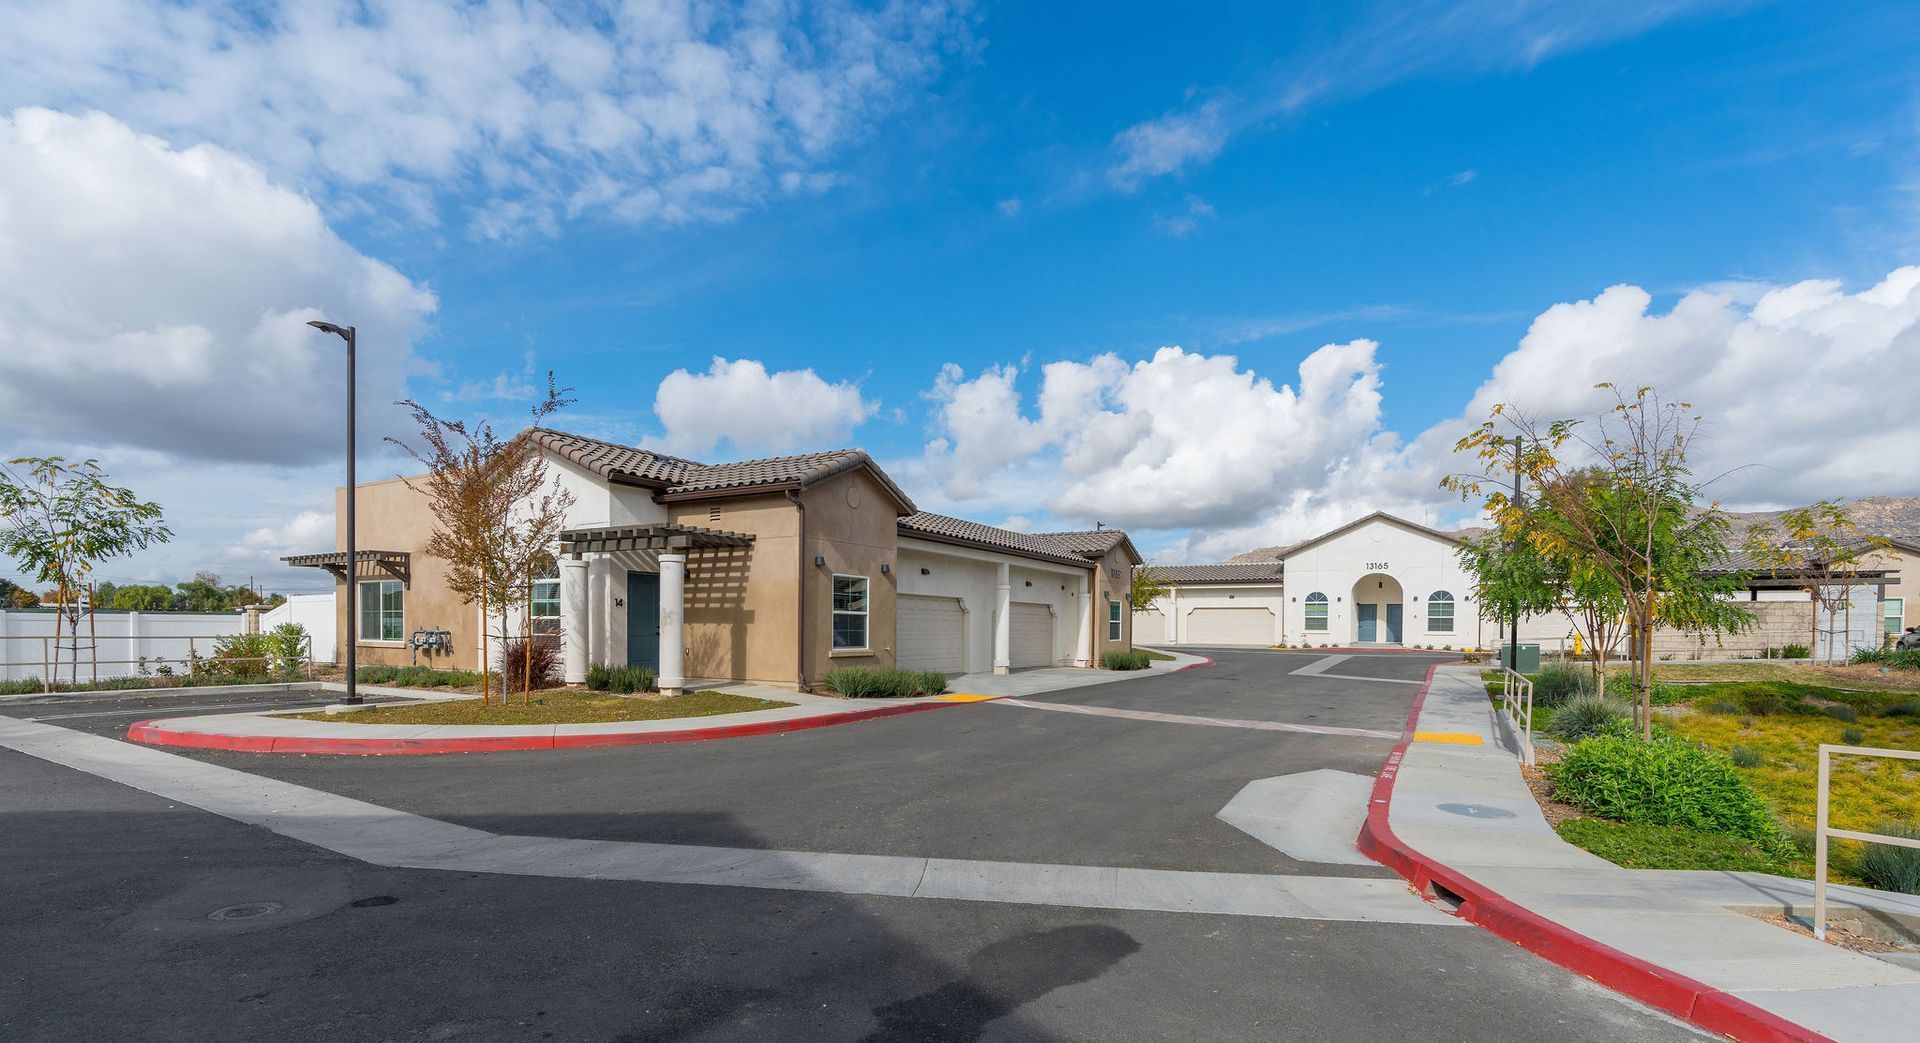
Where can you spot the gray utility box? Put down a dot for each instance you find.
(1527, 662)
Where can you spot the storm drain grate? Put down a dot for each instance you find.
(245, 911)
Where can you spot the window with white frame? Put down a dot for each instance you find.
(849, 612)
(1113, 620)
(543, 605)
(383, 610)
(1440, 612)
(1893, 614)
(1317, 611)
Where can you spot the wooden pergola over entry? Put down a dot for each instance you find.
(671, 543)
(609, 538)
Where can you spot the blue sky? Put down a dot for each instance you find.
(959, 190)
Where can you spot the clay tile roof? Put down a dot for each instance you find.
(1230, 572)
(611, 459)
(1095, 541)
(680, 477)
(958, 530)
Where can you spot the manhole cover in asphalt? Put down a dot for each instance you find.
(373, 900)
(1475, 811)
(246, 911)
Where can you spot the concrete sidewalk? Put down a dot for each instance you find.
(1041, 680)
(1466, 808)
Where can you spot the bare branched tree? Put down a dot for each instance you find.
(498, 517)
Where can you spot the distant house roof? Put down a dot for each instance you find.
(679, 478)
(944, 529)
(1092, 542)
(1229, 572)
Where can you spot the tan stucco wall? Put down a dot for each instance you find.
(741, 604)
(1112, 579)
(852, 522)
(393, 516)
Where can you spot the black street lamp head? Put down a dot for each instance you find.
(328, 327)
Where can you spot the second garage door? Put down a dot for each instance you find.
(1032, 635)
(932, 634)
(1230, 626)
(1149, 625)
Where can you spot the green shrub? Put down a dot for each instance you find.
(1889, 867)
(1763, 704)
(1589, 716)
(1559, 682)
(1625, 685)
(866, 682)
(1745, 757)
(1852, 737)
(418, 677)
(1133, 660)
(1722, 706)
(1903, 708)
(1841, 712)
(1664, 782)
(1795, 651)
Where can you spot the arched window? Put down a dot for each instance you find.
(1440, 612)
(1316, 611)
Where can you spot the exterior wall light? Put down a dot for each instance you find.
(926, 572)
(885, 568)
(819, 561)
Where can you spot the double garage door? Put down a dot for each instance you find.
(932, 634)
(1230, 626)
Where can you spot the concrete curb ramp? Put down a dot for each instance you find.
(1678, 994)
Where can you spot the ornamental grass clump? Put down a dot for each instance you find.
(866, 682)
(1558, 683)
(1665, 782)
(626, 680)
(1588, 716)
(1130, 660)
(1891, 868)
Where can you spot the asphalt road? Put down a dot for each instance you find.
(110, 893)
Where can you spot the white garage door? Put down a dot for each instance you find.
(1149, 625)
(931, 634)
(1230, 626)
(1032, 635)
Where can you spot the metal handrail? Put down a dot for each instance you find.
(1516, 699)
(1821, 831)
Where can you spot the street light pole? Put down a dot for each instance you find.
(346, 333)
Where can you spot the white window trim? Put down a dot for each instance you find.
(359, 615)
(865, 614)
(1326, 618)
(1114, 615)
(1893, 610)
(1447, 601)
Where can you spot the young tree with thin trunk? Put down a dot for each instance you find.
(1621, 490)
(498, 516)
(63, 519)
(1822, 548)
(1147, 588)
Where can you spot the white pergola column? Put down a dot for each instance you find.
(576, 629)
(673, 622)
(1003, 621)
(1083, 632)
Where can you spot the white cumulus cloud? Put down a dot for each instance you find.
(740, 404)
(157, 297)
(664, 111)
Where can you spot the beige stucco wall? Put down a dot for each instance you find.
(852, 522)
(1906, 585)
(741, 605)
(1112, 580)
(393, 516)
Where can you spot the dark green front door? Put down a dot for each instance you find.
(643, 619)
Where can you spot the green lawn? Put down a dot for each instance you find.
(556, 707)
(1638, 846)
(1161, 656)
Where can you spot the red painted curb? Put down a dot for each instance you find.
(1710, 1008)
(1204, 661)
(155, 733)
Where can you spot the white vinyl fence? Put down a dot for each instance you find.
(313, 611)
(119, 641)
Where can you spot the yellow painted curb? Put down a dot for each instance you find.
(963, 697)
(1453, 738)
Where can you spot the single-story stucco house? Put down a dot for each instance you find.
(1384, 580)
(774, 571)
